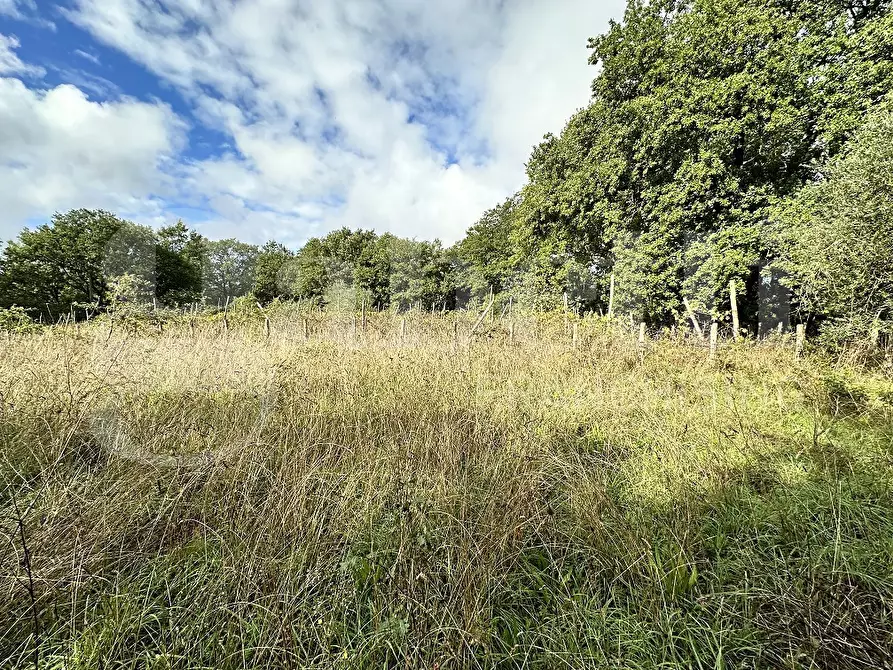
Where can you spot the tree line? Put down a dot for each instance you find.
(74, 264)
(745, 141)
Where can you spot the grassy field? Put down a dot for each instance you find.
(222, 499)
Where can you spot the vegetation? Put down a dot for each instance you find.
(840, 239)
(67, 267)
(724, 140)
(704, 115)
(221, 455)
(227, 499)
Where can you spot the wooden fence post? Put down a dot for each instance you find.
(694, 320)
(714, 337)
(267, 327)
(480, 321)
(611, 298)
(801, 340)
(565, 314)
(733, 300)
(642, 328)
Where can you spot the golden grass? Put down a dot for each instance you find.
(211, 498)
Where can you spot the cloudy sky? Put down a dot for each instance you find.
(283, 119)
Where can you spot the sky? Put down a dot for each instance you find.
(284, 119)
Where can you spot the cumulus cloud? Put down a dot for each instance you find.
(408, 116)
(61, 150)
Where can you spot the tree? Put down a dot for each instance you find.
(419, 274)
(488, 250)
(355, 264)
(270, 281)
(229, 270)
(69, 261)
(837, 235)
(373, 268)
(180, 256)
(705, 114)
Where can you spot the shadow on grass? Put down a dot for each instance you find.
(541, 568)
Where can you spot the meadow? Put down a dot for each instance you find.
(369, 495)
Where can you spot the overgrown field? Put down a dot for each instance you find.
(216, 499)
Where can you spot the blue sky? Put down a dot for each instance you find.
(282, 119)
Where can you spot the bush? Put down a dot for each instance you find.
(838, 237)
(16, 320)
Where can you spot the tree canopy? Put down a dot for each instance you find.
(704, 116)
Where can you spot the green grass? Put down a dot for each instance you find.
(231, 501)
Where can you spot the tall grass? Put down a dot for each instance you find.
(219, 499)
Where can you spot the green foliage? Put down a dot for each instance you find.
(838, 235)
(345, 267)
(704, 115)
(487, 251)
(366, 264)
(131, 301)
(49, 269)
(180, 257)
(420, 273)
(346, 259)
(66, 265)
(228, 270)
(15, 320)
(308, 277)
(270, 276)
(129, 290)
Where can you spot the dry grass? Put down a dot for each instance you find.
(225, 499)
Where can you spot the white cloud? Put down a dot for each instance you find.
(87, 56)
(543, 44)
(100, 87)
(10, 63)
(11, 8)
(410, 116)
(24, 10)
(61, 150)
